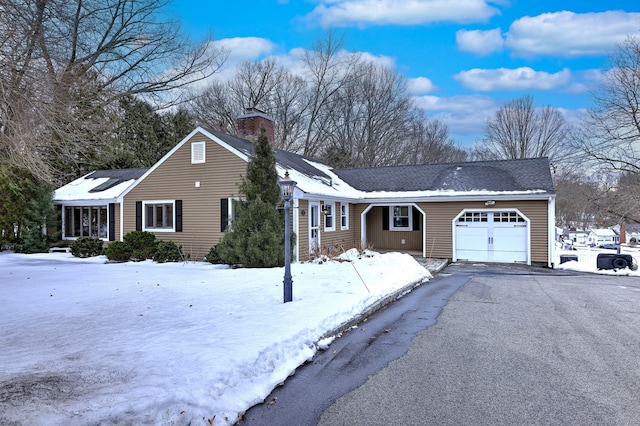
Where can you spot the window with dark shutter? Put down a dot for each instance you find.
(224, 214)
(385, 218)
(417, 216)
(112, 222)
(138, 215)
(178, 206)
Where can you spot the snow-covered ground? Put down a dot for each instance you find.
(588, 260)
(88, 342)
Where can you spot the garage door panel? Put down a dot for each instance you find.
(509, 239)
(493, 241)
(471, 242)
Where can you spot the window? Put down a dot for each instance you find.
(229, 212)
(401, 219)
(158, 216)
(329, 217)
(197, 152)
(507, 217)
(473, 217)
(344, 216)
(85, 221)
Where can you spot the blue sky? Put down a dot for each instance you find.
(463, 58)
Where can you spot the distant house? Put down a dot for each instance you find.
(602, 236)
(631, 230)
(492, 211)
(576, 237)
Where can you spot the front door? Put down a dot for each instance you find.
(314, 227)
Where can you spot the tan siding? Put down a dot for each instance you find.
(439, 238)
(382, 239)
(175, 180)
(439, 229)
(337, 241)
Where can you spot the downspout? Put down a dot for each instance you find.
(552, 232)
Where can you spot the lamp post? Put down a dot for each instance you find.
(287, 185)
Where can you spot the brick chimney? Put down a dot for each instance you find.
(250, 123)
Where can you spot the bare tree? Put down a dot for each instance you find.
(264, 85)
(518, 130)
(215, 107)
(429, 142)
(65, 63)
(326, 72)
(577, 200)
(369, 118)
(610, 134)
(609, 137)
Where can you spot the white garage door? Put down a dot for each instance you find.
(493, 236)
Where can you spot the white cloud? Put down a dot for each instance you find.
(420, 85)
(245, 48)
(480, 42)
(523, 78)
(241, 49)
(464, 115)
(570, 34)
(332, 13)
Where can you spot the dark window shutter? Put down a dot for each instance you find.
(178, 215)
(224, 214)
(417, 218)
(112, 222)
(138, 215)
(385, 218)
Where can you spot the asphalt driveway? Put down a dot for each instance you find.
(512, 346)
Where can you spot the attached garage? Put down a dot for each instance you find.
(492, 236)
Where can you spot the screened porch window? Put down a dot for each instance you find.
(85, 221)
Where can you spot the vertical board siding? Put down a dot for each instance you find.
(176, 178)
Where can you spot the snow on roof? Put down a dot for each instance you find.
(604, 232)
(103, 185)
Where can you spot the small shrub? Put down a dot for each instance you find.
(168, 251)
(633, 240)
(142, 243)
(118, 251)
(87, 247)
(214, 257)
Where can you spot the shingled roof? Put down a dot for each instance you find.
(286, 160)
(499, 175)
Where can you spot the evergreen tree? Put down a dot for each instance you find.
(256, 237)
(40, 218)
(27, 208)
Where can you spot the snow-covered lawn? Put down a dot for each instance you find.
(87, 342)
(588, 260)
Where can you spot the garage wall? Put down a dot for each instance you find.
(439, 235)
(439, 232)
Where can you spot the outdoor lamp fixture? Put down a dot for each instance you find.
(287, 185)
(489, 203)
